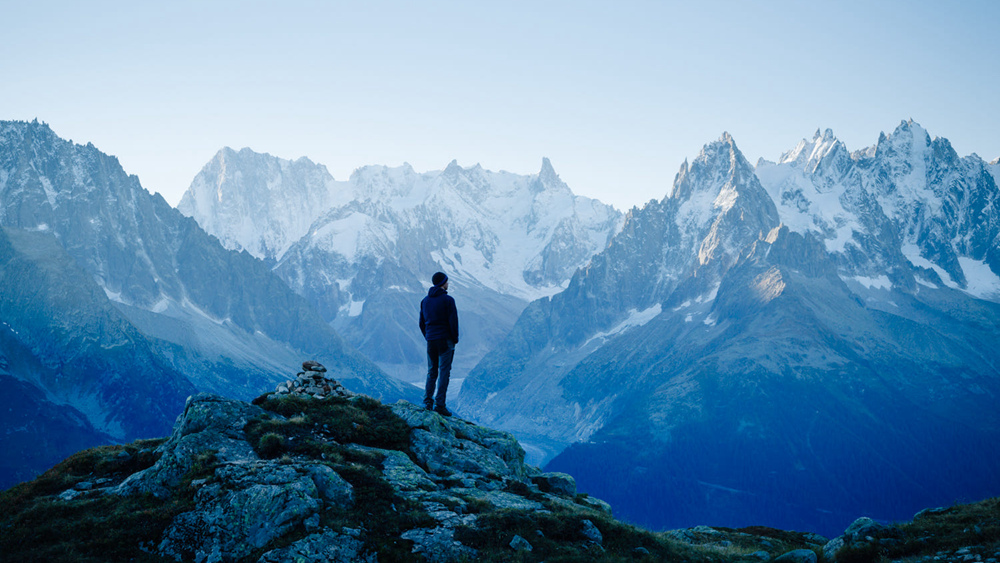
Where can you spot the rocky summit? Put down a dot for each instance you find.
(315, 473)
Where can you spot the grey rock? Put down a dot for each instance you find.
(866, 529)
(814, 538)
(248, 506)
(438, 545)
(69, 494)
(798, 556)
(333, 489)
(831, 548)
(590, 531)
(501, 499)
(400, 471)
(209, 424)
(520, 544)
(930, 511)
(761, 555)
(325, 547)
(556, 483)
(448, 444)
(597, 504)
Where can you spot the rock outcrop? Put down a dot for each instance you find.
(315, 473)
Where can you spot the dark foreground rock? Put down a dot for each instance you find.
(315, 473)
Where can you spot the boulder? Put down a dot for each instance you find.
(556, 483)
(449, 444)
(209, 424)
(520, 544)
(246, 507)
(590, 531)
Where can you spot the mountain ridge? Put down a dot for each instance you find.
(199, 314)
(697, 322)
(364, 260)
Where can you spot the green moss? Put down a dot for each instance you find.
(316, 428)
(958, 526)
(557, 536)
(38, 526)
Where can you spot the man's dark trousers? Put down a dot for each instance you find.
(439, 356)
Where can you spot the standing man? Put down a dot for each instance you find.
(439, 324)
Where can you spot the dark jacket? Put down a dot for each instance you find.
(438, 316)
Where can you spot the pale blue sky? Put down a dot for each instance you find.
(617, 94)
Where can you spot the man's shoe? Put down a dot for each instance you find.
(429, 407)
(443, 411)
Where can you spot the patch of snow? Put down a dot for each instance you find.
(982, 282)
(115, 296)
(804, 206)
(50, 193)
(161, 305)
(355, 307)
(634, 319)
(881, 282)
(912, 253)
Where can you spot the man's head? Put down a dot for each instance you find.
(439, 279)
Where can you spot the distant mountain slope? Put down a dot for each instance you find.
(760, 338)
(76, 373)
(362, 251)
(219, 318)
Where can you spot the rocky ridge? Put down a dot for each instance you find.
(312, 472)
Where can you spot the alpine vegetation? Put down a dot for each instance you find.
(794, 344)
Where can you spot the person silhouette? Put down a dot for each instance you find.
(439, 325)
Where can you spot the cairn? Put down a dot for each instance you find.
(312, 381)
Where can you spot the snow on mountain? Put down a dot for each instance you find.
(907, 196)
(236, 191)
(203, 305)
(668, 254)
(366, 258)
(824, 322)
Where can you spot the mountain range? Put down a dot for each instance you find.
(362, 251)
(793, 343)
(115, 307)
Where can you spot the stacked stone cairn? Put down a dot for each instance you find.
(312, 381)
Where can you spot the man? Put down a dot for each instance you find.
(439, 324)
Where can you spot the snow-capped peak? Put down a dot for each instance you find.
(808, 154)
(257, 202)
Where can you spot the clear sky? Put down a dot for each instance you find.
(617, 93)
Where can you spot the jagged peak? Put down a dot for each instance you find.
(808, 152)
(547, 178)
(909, 139)
(913, 130)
